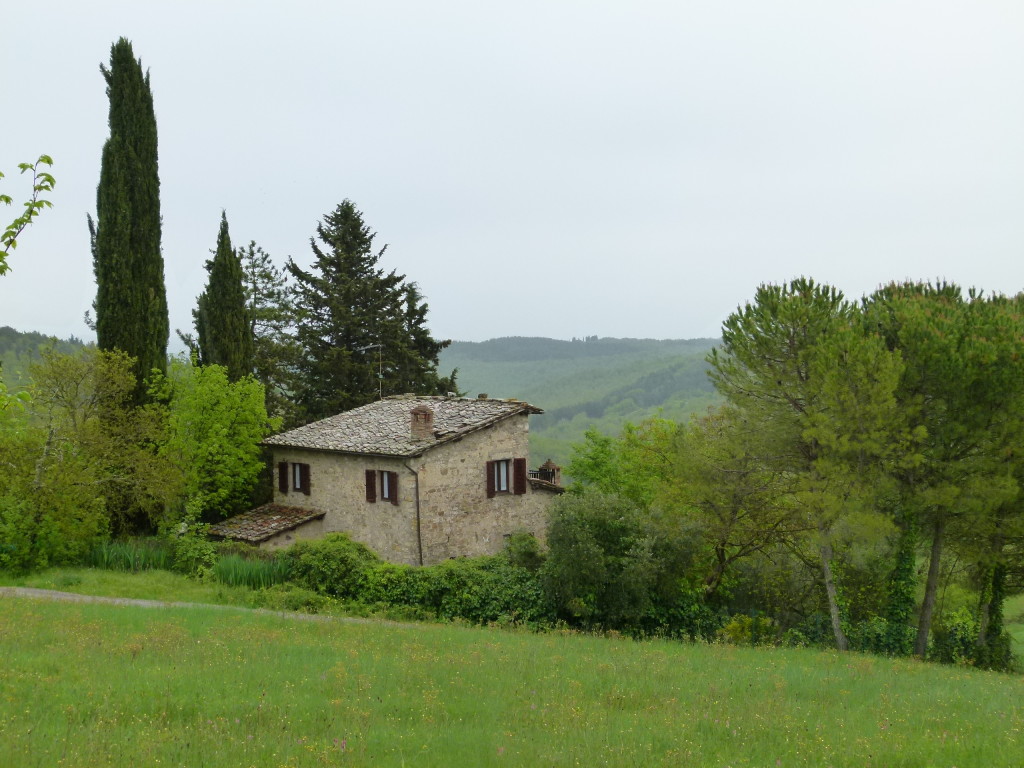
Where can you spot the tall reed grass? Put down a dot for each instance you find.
(132, 555)
(260, 573)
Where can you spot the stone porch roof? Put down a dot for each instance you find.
(384, 428)
(262, 523)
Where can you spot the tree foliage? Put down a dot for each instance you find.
(75, 453)
(131, 302)
(271, 318)
(223, 327)
(42, 183)
(214, 429)
(360, 330)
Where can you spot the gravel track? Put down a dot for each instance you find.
(74, 597)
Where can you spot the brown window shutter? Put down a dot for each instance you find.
(393, 487)
(282, 476)
(371, 486)
(304, 480)
(490, 479)
(518, 476)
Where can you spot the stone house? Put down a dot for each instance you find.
(417, 479)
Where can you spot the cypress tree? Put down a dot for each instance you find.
(221, 317)
(131, 302)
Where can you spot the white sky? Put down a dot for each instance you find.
(540, 167)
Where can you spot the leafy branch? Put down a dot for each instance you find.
(42, 183)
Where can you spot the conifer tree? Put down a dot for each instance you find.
(270, 319)
(131, 302)
(221, 317)
(360, 331)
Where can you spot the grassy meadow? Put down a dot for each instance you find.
(102, 685)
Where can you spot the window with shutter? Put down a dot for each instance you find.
(519, 476)
(499, 477)
(371, 486)
(304, 480)
(392, 480)
(381, 484)
(282, 476)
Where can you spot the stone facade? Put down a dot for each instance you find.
(441, 506)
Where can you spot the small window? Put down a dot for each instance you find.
(381, 484)
(506, 476)
(501, 476)
(292, 476)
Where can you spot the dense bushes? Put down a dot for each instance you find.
(479, 590)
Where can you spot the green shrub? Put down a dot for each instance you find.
(388, 584)
(289, 597)
(612, 567)
(194, 554)
(742, 629)
(953, 638)
(479, 590)
(886, 638)
(334, 565)
(523, 549)
(484, 590)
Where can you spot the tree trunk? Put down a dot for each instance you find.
(984, 612)
(931, 590)
(833, 598)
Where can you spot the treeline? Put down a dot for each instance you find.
(866, 455)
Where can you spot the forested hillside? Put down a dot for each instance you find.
(19, 349)
(591, 382)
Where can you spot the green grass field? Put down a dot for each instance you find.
(100, 685)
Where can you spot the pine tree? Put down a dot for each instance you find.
(222, 320)
(131, 302)
(270, 320)
(360, 331)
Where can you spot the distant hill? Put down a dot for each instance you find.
(591, 382)
(19, 349)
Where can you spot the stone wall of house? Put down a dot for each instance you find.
(456, 517)
(313, 529)
(338, 487)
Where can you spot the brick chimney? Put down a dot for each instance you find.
(422, 423)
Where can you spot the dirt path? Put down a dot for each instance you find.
(74, 597)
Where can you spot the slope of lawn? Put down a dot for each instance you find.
(101, 685)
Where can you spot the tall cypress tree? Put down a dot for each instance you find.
(131, 302)
(222, 318)
(360, 331)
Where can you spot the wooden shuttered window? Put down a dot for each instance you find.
(371, 485)
(490, 480)
(305, 485)
(393, 487)
(388, 484)
(519, 476)
(282, 476)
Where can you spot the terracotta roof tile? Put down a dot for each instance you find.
(384, 428)
(261, 523)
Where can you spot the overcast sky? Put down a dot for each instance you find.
(548, 168)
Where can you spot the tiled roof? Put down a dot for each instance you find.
(261, 523)
(384, 428)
